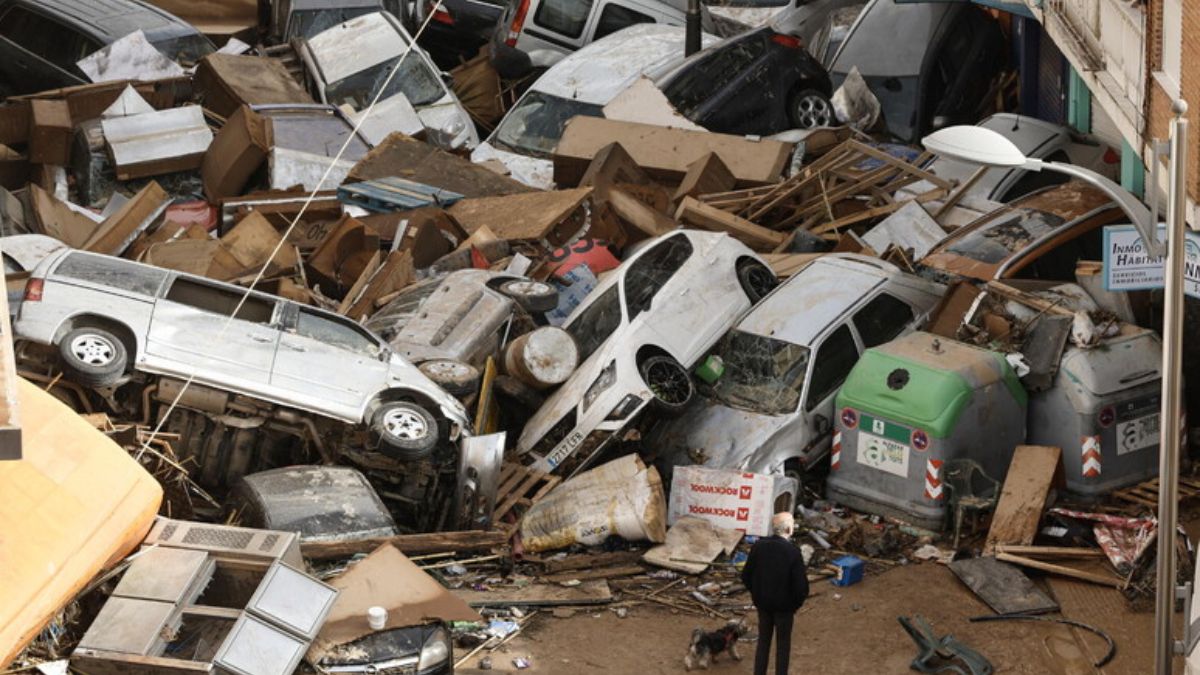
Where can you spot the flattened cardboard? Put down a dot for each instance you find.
(388, 579)
(54, 218)
(117, 232)
(50, 132)
(342, 256)
(251, 243)
(410, 159)
(225, 82)
(237, 151)
(666, 153)
(395, 273)
(533, 216)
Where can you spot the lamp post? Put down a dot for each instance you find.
(986, 147)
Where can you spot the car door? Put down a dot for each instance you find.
(191, 332)
(662, 307)
(836, 353)
(39, 53)
(328, 362)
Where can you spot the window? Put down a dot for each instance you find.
(218, 300)
(1036, 180)
(1172, 47)
(1059, 262)
(614, 17)
(882, 319)
(337, 333)
(713, 73)
(596, 323)
(567, 17)
(112, 272)
(46, 38)
(415, 80)
(536, 124)
(1004, 235)
(652, 270)
(834, 360)
(762, 374)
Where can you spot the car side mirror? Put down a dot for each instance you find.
(820, 424)
(941, 122)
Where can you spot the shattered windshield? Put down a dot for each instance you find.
(419, 84)
(597, 323)
(534, 127)
(762, 374)
(1007, 233)
(186, 49)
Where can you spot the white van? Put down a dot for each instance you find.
(581, 84)
(540, 33)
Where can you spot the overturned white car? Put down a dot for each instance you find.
(638, 334)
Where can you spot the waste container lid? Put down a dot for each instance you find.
(1117, 364)
(924, 380)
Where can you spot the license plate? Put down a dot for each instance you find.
(1137, 434)
(564, 449)
(882, 453)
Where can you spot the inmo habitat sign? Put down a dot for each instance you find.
(1128, 267)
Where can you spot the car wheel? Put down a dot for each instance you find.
(757, 280)
(810, 109)
(532, 296)
(669, 382)
(457, 378)
(404, 430)
(93, 357)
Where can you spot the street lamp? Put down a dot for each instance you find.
(988, 148)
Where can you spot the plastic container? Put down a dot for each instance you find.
(1103, 411)
(912, 405)
(849, 570)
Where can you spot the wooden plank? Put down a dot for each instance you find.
(409, 544)
(876, 212)
(1024, 495)
(530, 216)
(636, 213)
(1051, 551)
(710, 218)
(539, 595)
(511, 500)
(595, 573)
(1061, 570)
(577, 562)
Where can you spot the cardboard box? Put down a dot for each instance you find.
(225, 82)
(159, 142)
(664, 153)
(50, 132)
(14, 169)
(238, 150)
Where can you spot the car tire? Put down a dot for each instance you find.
(457, 378)
(515, 390)
(669, 382)
(404, 430)
(533, 296)
(757, 280)
(93, 357)
(809, 109)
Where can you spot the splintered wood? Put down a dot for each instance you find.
(520, 486)
(851, 184)
(1146, 494)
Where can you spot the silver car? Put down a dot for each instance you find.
(108, 316)
(771, 409)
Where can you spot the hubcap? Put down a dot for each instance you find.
(669, 384)
(94, 350)
(405, 424)
(527, 288)
(813, 111)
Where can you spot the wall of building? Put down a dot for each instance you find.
(1159, 99)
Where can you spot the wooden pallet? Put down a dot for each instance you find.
(520, 486)
(1146, 494)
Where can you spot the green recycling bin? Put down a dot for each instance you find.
(910, 406)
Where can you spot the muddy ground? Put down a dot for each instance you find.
(852, 630)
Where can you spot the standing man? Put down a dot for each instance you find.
(778, 583)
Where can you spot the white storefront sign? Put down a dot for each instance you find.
(1128, 267)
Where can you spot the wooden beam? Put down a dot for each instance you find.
(409, 544)
(713, 219)
(835, 225)
(1061, 570)
(1051, 551)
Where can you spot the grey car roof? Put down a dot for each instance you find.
(800, 309)
(112, 20)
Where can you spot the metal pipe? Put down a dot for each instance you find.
(1168, 455)
(691, 43)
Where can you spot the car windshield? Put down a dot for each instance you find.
(1009, 232)
(309, 22)
(389, 321)
(535, 125)
(186, 49)
(762, 374)
(596, 323)
(419, 84)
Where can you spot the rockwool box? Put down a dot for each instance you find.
(729, 499)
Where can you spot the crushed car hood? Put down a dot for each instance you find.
(717, 436)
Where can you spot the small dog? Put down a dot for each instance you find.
(706, 645)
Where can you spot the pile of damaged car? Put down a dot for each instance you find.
(443, 336)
